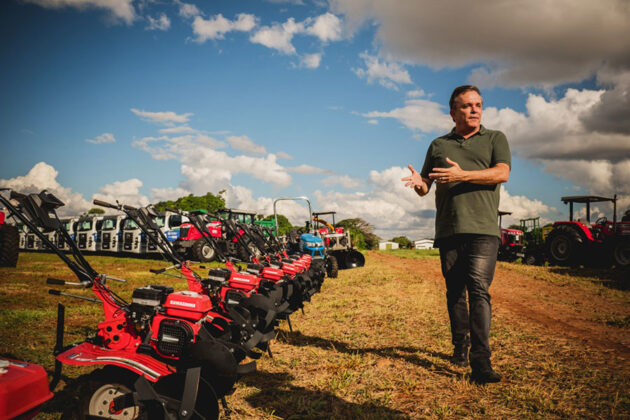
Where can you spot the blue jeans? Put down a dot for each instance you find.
(468, 263)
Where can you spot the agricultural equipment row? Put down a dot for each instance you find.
(166, 354)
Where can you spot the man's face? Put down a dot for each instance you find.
(466, 111)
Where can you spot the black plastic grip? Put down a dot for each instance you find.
(59, 282)
(54, 292)
(104, 204)
(157, 271)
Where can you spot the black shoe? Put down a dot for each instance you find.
(482, 373)
(460, 356)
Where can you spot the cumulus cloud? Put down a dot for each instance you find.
(178, 129)
(544, 43)
(246, 145)
(610, 113)
(126, 192)
(387, 74)
(279, 36)
(307, 170)
(119, 10)
(161, 23)
(326, 27)
(187, 10)
(165, 194)
(343, 180)
(164, 117)
(283, 155)
(418, 93)
(418, 114)
(217, 26)
(522, 207)
(103, 138)
(44, 177)
(311, 61)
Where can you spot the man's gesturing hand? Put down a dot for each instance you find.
(420, 185)
(414, 180)
(452, 174)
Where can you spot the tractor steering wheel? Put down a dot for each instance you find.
(602, 221)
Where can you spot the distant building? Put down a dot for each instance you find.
(388, 245)
(423, 244)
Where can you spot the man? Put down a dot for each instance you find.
(468, 165)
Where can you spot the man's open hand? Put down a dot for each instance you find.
(445, 175)
(414, 180)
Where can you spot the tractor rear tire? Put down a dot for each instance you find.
(202, 251)
(565, 246)
(354, 259)
(621, 253)
(9, 245)
(332, 267)
(529, 259)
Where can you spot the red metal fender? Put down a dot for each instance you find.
(141, 364)
(23, 387)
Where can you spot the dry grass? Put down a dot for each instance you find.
(373, 344)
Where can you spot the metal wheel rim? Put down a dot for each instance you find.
(207, 251)
(622, 254)
(102, 399)
(560, 248)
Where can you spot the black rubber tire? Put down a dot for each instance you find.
(332, 267)
(529, 259)
(96, 390)
(9, 245)
(354, 259)
(565, 246)
(621, 253)
(203, 251)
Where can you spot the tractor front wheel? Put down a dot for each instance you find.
(621, 253)
(9, 245)
(564, 246)
(332, 266)
(202, 251)
(354, 259)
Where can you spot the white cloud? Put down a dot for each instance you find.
(418, 114)
(165, 194)
(126, 192)
(416, 93)
(164, 117)
(521, 207)
(283, 155)
(44, 176)
(538, 43)
(344, 180)
(177, 129)
(187, 10)
(217, 26)
(103, 138)
(387, 74)
(161, 23)
(311, 61)
(118, 9)
(307, 170)
(373, 122)
(246, 145)
(278, 36)
(326, 27)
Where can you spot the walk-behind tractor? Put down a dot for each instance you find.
(576, 242)
(511, 246)
(337, 241)
(160, 356)
(9, 242)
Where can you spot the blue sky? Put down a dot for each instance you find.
(148, 100)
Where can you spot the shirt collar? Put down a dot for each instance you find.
(454, 135)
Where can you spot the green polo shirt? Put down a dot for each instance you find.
(463, 207)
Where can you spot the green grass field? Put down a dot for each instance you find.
(375, 342)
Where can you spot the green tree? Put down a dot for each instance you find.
(96, 210)
(516, 227)
(403, 241)
(209, 202)
(361, 233)
(284, 226)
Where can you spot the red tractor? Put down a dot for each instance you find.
(576, 242)
(511, 246)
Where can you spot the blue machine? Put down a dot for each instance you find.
(312, 245)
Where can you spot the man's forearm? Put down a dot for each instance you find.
(491, 176)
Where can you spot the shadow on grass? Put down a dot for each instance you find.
(276, 394)
(614, 278)
(407, 353)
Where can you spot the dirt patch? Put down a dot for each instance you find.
(557, 308)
